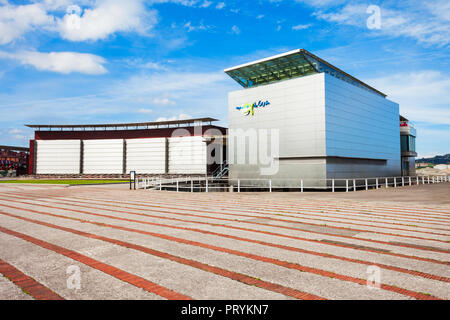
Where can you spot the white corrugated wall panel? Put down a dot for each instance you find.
(146, 156)
(103, 156)
(187, 155)
(58, 157)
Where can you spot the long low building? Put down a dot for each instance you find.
(170, 147)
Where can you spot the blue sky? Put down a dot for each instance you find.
(107, 61)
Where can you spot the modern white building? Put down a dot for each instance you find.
(329, 125)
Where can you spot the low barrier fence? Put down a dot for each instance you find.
(210, 184)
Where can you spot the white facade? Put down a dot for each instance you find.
(327, 128)
(103, 156)
(179, 155)
(360, 124)
(146, 155)
(58, 157)
(187, 155)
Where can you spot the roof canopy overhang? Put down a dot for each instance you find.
(289, 65)
(129, 126)
(11, 148)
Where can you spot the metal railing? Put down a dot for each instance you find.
(211, 184)
(221, 171)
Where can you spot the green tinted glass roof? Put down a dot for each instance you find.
(293, 64)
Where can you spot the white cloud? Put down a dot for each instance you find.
(424, 96)
(164, 102)
(198, 94)
(108, 17)
(60, 62)
(181, 116)
(301, 27)
(220, 5)
(15, 21)
(206, 4)
(235, 29)
(429, 25)
(145, 111)
(191, 27)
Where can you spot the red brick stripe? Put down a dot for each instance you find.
(30, 286)
(425, 212)
(310, 213)
(289, 265)
(326, 203)
(252, 222)
(108, 269)
(289, 248)
(275, 219)
(247, 202)
(267, 218)
(238, 228)
(192, 263)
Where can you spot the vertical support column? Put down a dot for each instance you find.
(124, 161)
(367, 184)
(410, 181)
(387, 184)
(32, 157)
(395, 182)
(239, 185)
(81, 157)
(166, 165)
(301, 185)
(354, 185)
(192, 185)
(332, 185)
(207, 184)
(376, 182)
(270, 185)
(403, 181)
(346, 185)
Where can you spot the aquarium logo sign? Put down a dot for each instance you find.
(249, 108)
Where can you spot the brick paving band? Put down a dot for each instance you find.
(327, 255)
(310, 217)
(28, 285)
(246, 202)
(282, 220)
(406, 245)
(339, 214)
(242, 229)
(299, 215)
(192, 263)
(341, 209)
(108, 269)
(240, 277)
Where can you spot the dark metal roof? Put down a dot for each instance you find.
(289, 65)
(139, 125)
(10, 148)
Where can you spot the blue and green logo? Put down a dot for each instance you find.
(249, 108)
